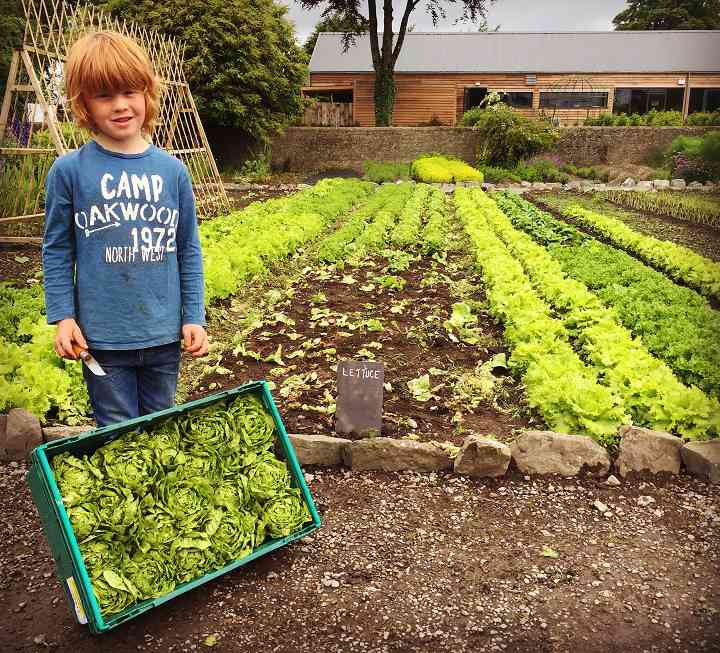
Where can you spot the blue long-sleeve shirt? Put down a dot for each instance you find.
(121, 252)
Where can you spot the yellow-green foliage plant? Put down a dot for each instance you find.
(440, 169)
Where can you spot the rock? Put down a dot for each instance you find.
(599, 505)
(392, 455)
(702, 459)
(318, 449)
(644, 186)
(661, 184)
(612, 480)
(677, 184)
(645, 450)
(538, 185)
(480, 457)
(587, 183)
(447, 188)
(628, 183)
(553, 185)
(484, 185)
(22, 434)
(644, 500)
(695, 185)
(599, 187)
(526, 184)
(51, 433)
(573, 185)
(545, 452)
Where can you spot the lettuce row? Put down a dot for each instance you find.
(338, 245)
(649, 390)
(674, 323)
(437, 227)
(151, 510)
(559, 385)
(245, 243)
(407, 228)
(680, 263)
(375, 233)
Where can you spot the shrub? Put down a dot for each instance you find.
(704, 118)
(636, 119)
(497, 174)
(664, 118)
(508, 137)
(621, 120)
(696, 158)
(442, 169)
(380, 171)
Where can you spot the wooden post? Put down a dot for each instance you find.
(686, 97)
(9, 88)
(52, 118)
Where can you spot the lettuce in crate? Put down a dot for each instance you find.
(152, 510)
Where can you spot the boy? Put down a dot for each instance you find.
(121, 253)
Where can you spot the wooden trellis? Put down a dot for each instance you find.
(36, 123)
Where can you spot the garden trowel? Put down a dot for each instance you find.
(88, 359)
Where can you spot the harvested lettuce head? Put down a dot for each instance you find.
(155, 509)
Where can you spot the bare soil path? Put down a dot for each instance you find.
(422, 563)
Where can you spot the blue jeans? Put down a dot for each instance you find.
(136, 382)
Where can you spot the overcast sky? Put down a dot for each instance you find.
(511, 15)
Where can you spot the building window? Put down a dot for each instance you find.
(574, 99)
(704, 99)
(517, 99)
(474, 96)
(642, 100)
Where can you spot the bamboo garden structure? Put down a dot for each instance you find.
(36, 124)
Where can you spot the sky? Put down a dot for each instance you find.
(511, 15)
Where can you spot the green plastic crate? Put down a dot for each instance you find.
(64, 547)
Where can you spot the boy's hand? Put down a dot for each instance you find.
(66, 333)
(195, 340)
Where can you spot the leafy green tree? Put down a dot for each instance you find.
(12, 24)
(336, 23)
(669, 14)
(242, 62)
(385, 45)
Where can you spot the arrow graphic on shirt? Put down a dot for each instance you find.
(107, 226)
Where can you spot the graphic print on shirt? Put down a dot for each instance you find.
(132, 198)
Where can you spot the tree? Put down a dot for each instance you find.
(669, 14)
(336, 23)
(385, 46)
(242, 62)
(12, 24)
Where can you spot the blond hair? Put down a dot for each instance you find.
(109, 61)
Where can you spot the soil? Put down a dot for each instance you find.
(421, 563)
(330, 308)
(700, 238)
(19, 263)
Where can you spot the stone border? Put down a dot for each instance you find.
(532, 452)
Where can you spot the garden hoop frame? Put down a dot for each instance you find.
(35, 119)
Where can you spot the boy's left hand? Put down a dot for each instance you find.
(195, 340)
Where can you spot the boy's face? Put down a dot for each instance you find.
(118, 115)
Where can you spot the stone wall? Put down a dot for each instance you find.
(312, 149)
(323, 148)
(591, 145)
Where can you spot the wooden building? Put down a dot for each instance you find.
(564, 75)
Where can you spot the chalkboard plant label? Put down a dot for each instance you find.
(360, 398)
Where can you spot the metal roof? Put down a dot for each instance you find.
(541, 52)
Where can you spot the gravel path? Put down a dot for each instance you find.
(408, 562)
